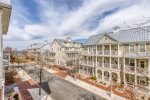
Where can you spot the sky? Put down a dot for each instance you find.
(34, 21)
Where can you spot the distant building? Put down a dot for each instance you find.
(65, 52)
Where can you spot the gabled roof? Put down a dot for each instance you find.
(92, 40)
(140, 34)
(62, 42)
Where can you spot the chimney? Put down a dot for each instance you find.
(68, 38)
(116, 29)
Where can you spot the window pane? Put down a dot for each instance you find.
(142, 47)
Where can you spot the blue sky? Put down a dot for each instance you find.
(38, 20)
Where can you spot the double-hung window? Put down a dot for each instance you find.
(142, 47)
(132, 49)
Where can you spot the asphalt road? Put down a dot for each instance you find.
(62, 89)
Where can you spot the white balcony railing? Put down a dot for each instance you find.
(99, 64)
(129, 68)
(114, 52)
(90, 63)
(99, 52)
(84, 52)
(114, 66)
(106, 65)
(106, 52)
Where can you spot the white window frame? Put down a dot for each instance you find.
(140, 47)
(130, 48)
(143, 79)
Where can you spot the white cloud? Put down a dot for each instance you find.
(57, 22)
(5, 2)
(131, 15)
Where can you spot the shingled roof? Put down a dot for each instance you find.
(62, 42)
(140, 34)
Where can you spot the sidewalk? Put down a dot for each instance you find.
(29, 88)
(99, 90)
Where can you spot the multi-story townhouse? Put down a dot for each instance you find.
(37, 50)
(122, 56)
(5, 12)
(64, 52)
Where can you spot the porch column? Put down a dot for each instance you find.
(110, 62)
(124, 79)
(110, 77)
(118, 63)
(102, 49)
(110, 49)
(87, 70)
(135, 82)
(118, 49)
(92, 69)
(96, 49)
(135, 66)
(96, 61)
(83, 70)
(102, 61)
(149, 74)
(119, 80)
(123, 64)
(102, 75)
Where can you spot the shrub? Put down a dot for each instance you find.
(93, 78)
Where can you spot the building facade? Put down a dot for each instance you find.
(122, 56)
(64, 53)
(5, 12)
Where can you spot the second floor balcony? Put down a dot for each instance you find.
(106, 52)
(129, 68)
(106, 65)
(99, 64)
(114, 66)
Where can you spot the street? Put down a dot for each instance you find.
(62, 89)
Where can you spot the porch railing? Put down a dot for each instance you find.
(106, 52)
(114, 52)
(114, 66)
(99, 64)
(106, 65)
(129, 68)
(99, 52)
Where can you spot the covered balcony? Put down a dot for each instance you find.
(114, 50)
(114, 63)
(99, 50)
(106, 49)
(130, 65)
(99, 62)
(106, 62)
